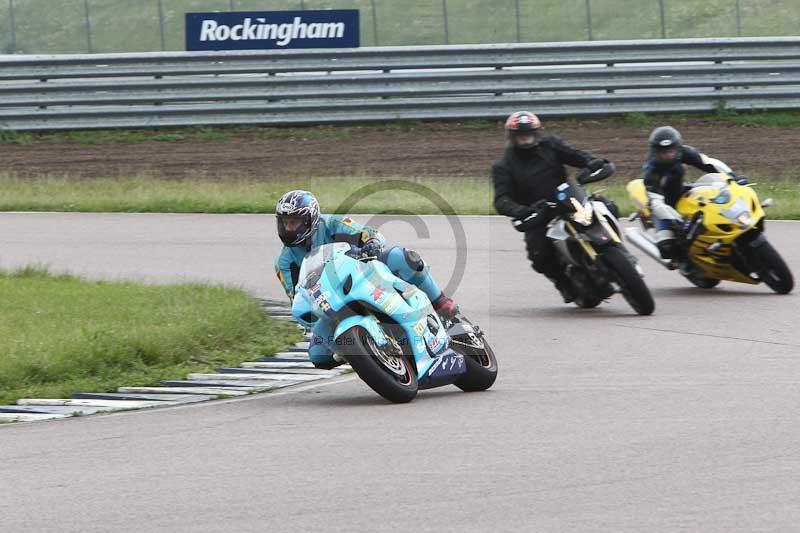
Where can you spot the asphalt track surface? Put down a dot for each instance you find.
(600, 420)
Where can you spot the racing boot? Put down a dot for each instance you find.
(328, 365)
(338, 360)
(667, 246)
(446, 307)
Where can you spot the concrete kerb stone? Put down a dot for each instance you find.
(194, 391)
(183, 398)
(284, 370)
(29, 417)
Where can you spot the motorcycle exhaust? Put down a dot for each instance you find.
(642, 242)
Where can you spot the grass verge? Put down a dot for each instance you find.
(60, 334)
(462, 196)
(771, 119)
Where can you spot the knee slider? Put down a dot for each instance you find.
(414, 261)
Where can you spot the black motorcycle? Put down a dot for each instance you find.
(588, 242)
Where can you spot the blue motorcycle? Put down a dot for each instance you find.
(386, 329)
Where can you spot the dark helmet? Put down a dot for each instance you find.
(522, 122)
(666, 141)
(297, 214)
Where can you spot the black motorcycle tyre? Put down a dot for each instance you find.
(774, 272)
(366, 363)
(633, 287)
(481, 368)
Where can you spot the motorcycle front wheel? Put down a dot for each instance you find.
(386, 371)
(774, 272)
(632, 285)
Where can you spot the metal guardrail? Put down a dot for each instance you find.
(434, 82)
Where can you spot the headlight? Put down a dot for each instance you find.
(746, 219)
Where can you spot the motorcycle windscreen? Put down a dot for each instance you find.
(315, 261)
(567, 191)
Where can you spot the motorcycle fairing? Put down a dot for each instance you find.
(723, 202)
(444, 369)
(562, 234)
(373, 289)
(729, 211)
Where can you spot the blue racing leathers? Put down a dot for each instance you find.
(405, 264)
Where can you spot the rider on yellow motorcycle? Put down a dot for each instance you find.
(663, 176)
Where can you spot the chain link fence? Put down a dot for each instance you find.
(98, 26)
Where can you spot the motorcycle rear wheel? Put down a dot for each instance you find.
(390, 375)
(588, 302)
(633, 287)
(481, 366)
(699, 280)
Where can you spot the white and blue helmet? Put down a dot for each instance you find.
(297, 215)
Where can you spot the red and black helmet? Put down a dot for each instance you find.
(522, 123)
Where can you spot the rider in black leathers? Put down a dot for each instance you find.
(663, 176)
(525, 179)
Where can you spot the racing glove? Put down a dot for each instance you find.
(371, 248)
(596, 170)
(534, 217)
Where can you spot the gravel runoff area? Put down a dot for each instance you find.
(396, 150)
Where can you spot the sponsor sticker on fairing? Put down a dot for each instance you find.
(420, 344)
(377, 294)
(447, 364)
(322, 297)
(391, 305)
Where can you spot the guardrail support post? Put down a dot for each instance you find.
(88, 25)
(738, 18)
(42, 80)
(12, 21)
(161, 24)
(589, 18)
(374, 22)
(446, 29)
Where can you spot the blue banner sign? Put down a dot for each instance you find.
(259, 30)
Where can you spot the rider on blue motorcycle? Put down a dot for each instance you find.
(301, 227)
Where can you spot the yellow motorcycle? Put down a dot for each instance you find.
(722, 237)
